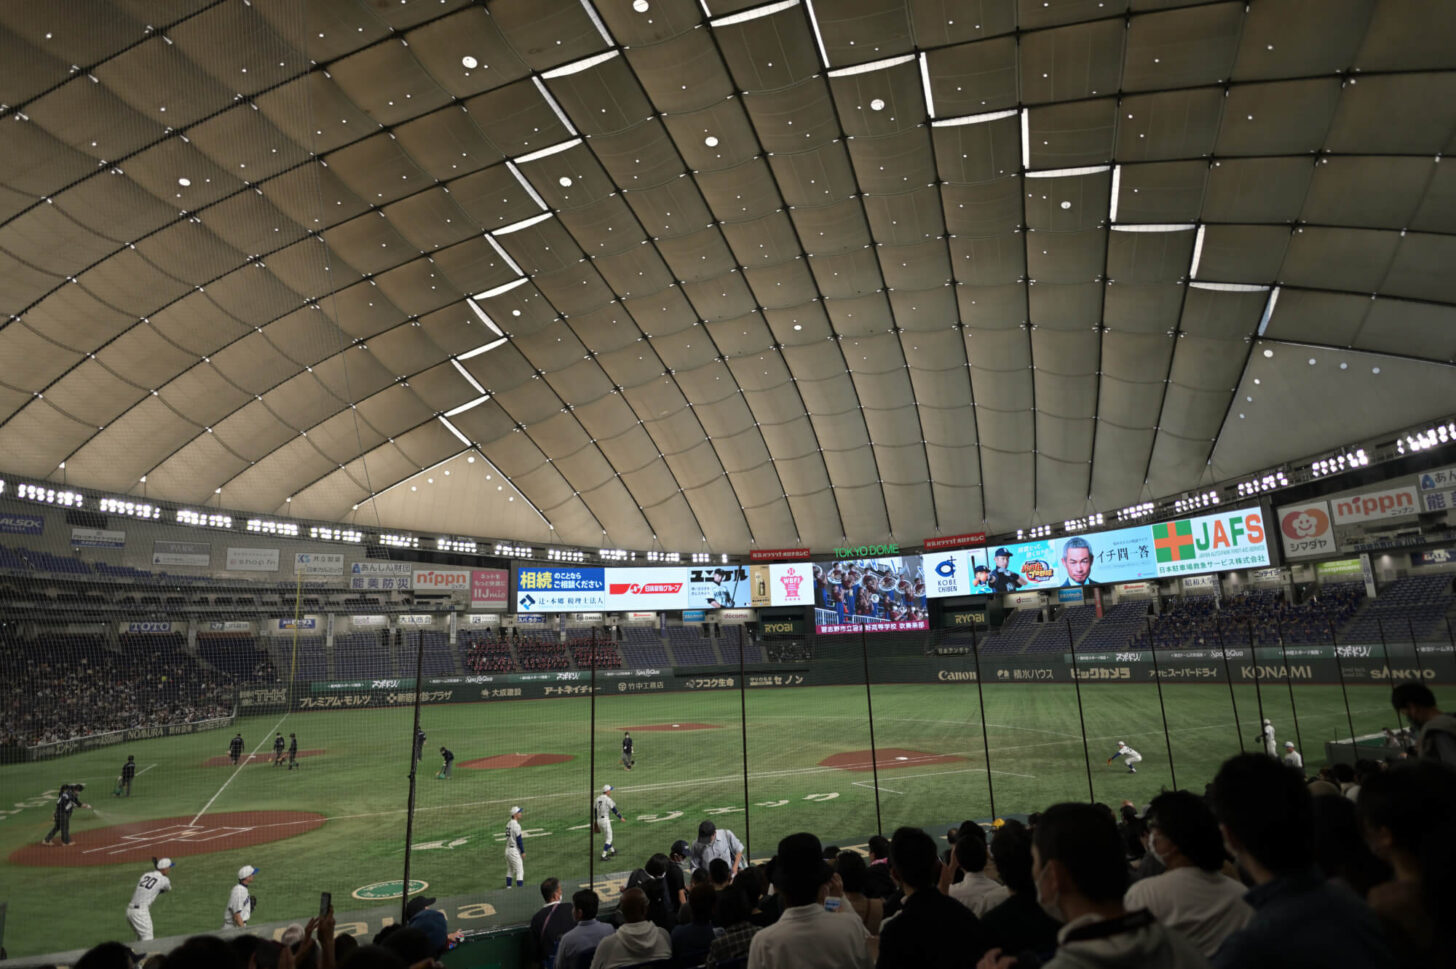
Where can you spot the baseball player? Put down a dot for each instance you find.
(1128, 755)
(1292, 757)
(1266, 735)
(515, 850)
(449, 757)
(149, 886)
(627, 759)
(292, 751)
(1002, 579)
(603, 808)
(240, 903)
(67, 802)
(235, 748)
(419, 744)
(277, 750)
(128, 774)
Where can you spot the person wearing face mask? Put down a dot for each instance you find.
(1266, 816)
(1435, 731)
(1081, 874)
(1193, 895)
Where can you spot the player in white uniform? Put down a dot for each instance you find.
(1128, 755)
(1292, 757)
(240, 900)
(515, 850)
(603, 808)
(1266, 734)
(149, 886)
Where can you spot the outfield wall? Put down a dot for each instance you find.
(60, 748)
(1328, 665)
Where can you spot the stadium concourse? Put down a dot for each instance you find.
(597, 436)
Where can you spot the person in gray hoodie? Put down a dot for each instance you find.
(638, 940)
(1081, 876)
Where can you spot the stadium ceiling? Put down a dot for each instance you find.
(711, 275)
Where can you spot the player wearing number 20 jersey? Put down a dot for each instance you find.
(149, 886)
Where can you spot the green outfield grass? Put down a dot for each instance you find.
(360, 784)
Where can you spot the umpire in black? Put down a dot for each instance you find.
(69, 800)
(128, 774)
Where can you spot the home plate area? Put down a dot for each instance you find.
(884, 758)
(175, 837)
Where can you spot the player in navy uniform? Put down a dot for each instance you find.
(69, 800)
(277, 750)
(627, 759)
(1002, 578)
(235, 748)
(448, 756)
(292, 751)
(419, 744)
(128, 774)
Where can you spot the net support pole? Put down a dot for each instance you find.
(985, 740)
(1258, 689)
(591, 838)
(1228, 675)
(743, 739)
(1158, 679)
(864, 652)
(1345, 693)
(409, 817)
(1289, 683)
(1082, 721)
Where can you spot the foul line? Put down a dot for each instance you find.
(239, 769)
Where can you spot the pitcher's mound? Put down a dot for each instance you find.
(645, 728)
(515, 760)
(885, 757)
(174, 837)
(258, 758)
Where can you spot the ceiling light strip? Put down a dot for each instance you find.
(1230, 287)
(530, 190)
(1152, 226)
(925, 86)
(560, 115)
(523, 224)
(818, 38)
(546, 152)
(468, 377)
(1069, 172)
(974, 118)
(596, 19)
(498, 290)
(1116, 190)
(468, 405)
(1025, 140)
(1268, 310)
(456, 431)
(479, 350)
(884, 64)
(484, 316)
(744, 16)
(504, 255)
(1197, 253)
(576, 67)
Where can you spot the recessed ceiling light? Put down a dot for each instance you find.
(564, 181)
(1066, 205)
(640, 6)
(184, 182)
(711, 141)
(1268, 353)
(878, 104)
(469, 63)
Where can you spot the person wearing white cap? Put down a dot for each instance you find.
(149, 886)
(240, 900)
(602, 810)
(1266, 735)
(515, 850)
(1291, 756)
(1128, 755)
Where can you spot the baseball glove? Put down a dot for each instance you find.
(1109, 760)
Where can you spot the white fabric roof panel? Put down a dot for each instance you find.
(702, 191)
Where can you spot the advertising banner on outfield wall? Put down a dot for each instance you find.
(367, 622)
(252, 560)
(489, 588)
(318, 563)
(302, 622)
(482, 619)
(1306, 530)
(734, 617)
(1371, 506)
(442, 580)
(230, 626)
(136, 628)
(381, 576)
(1433, 556)
(196, 554)
(560, 588)
(1200, 584)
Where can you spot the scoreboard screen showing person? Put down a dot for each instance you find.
(870, 594)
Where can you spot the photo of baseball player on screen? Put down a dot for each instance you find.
(723, 587)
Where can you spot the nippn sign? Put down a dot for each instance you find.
(1375, 505)
(442, 580)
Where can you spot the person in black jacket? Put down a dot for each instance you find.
(931, 930)
(128, 774)
(68, 801)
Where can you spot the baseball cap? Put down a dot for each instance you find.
(432, 923)
(1002, 551)
(1289, 743)
(417, 905)
(515, 810)
(246, 871)
(679, 847)
(707, 829)
(163, 864)
(606, 788)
